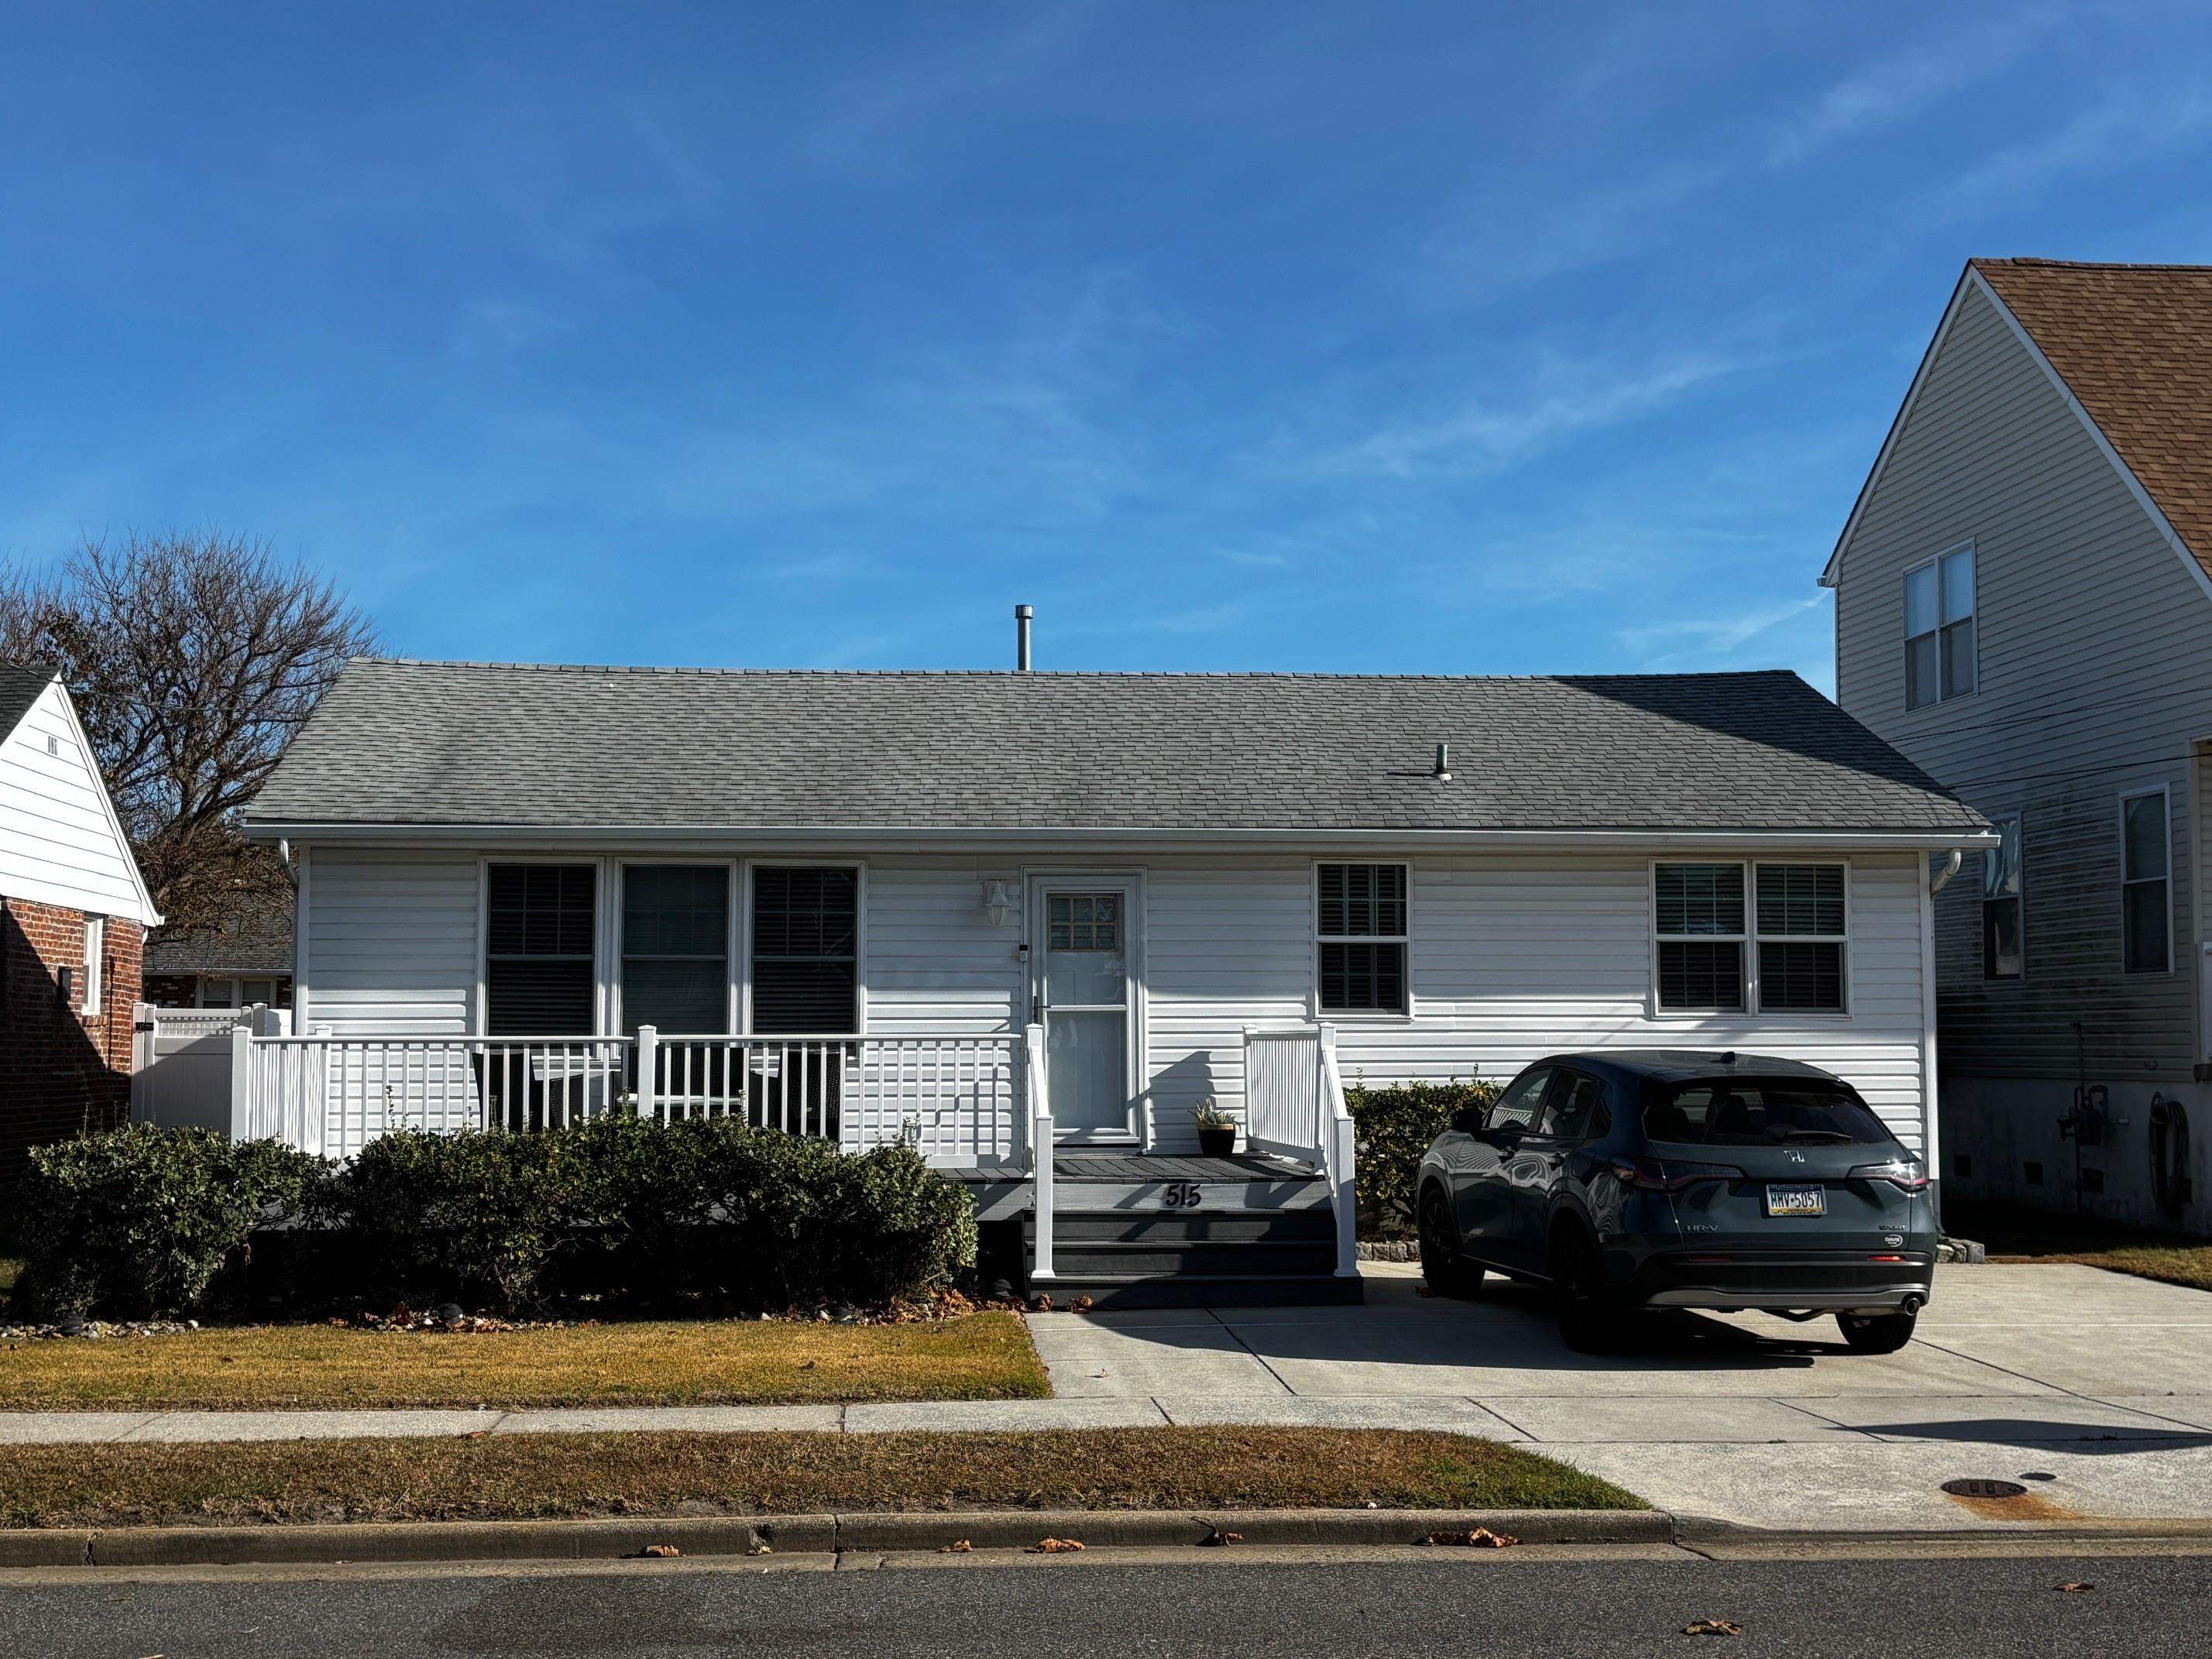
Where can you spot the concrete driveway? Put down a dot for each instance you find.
(2100, 1381)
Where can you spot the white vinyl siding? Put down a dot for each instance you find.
(1515, 956)
(2093, 678)
(59, 844)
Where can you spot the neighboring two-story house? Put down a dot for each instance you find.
(2024, 607)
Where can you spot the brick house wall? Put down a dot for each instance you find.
(62, 1070)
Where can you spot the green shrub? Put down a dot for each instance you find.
(1392, 1127)
(477, 1215)
(139, 1220)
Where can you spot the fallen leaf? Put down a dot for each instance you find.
(2072, 1587)
(1054, 1546)
(1480, 1539)
(1713, 1627)
(660, 1550)
(1216, 1537)
(957, 1546)
(760, 1549)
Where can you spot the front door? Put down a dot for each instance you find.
(1083, 946)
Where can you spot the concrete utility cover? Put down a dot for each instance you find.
(2097, 1384)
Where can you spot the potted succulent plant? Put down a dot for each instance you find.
(1216, 1130)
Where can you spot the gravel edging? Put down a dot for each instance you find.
(793, 1534)
(1389, 1250)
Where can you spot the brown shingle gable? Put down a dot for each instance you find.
(2134, 345)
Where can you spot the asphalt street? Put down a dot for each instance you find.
(1504, 1603)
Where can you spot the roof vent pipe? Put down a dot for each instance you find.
(1022, 615)
(1443, 763)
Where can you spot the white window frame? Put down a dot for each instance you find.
(95, 967)
(1362, 1016)
(1747, 943)
(733, 973)
(1973, 616)
(2165, 792)
(1989, 855)
(602, 927)
(743, 965)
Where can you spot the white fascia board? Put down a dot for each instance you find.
(895, 837)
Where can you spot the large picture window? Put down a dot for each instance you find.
(540, 921)
(1769, 937)
(805, 950)
(676, 947)
(2146, 901)
(2001, 904)
(1939, 629)
(1361, 936)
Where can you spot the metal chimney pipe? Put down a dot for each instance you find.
(1022, 615)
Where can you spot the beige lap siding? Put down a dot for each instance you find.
(62, 1070)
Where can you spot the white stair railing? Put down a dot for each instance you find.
(1294, 1108)
(1036, 1082)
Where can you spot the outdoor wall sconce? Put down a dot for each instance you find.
(995, 902)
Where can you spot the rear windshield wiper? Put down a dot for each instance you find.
(1832, 1137)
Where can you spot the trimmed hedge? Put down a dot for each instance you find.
(1392, 1127)
(139, 1220)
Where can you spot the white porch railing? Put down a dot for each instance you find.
(1294, 1108)
(1040, 1147)
(958, 1095)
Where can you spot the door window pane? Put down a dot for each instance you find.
(1087, 1070)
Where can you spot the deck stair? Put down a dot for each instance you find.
(1157, 1232)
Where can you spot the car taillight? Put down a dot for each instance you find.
(1901, 1173)
(1652, 1174)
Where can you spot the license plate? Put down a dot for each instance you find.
(1796, 1201)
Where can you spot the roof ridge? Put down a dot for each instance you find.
(2030, 261)
(1011, 674)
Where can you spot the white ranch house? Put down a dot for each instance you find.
(1032, 920)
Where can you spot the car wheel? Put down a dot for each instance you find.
(1876, 1333)
(1448, 1272)
(1590, 1316)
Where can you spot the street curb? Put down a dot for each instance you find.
(1692, 1531)
(793, 1534)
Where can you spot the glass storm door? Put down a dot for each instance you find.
(1084, 999)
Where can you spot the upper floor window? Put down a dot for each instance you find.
(2001, 904)
(2145, 904)
(1939, 629)
(1361, 932)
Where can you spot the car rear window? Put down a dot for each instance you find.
(1751, 1112)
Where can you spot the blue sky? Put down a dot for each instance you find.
(1411, 338)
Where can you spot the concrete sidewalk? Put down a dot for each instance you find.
(2100, 1381)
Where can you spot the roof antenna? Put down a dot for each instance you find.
(1443, 763)
(1022, 615)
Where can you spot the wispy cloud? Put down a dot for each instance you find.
(1489, 435)
(1710, 639)
(2129, 125)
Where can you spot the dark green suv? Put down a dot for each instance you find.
(1678, 1179)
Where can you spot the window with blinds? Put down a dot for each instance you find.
(1801, 925)
(806, 945)
(1768, 938)
(540, 921)
(1361, 937)
(676, 948)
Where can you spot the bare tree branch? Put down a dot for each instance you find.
(193, 658)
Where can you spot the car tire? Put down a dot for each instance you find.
(1591, 1316)
(1448, 1272)
(1876, 1333)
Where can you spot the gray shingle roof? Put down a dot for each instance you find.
(19, 689)
(255, 936)
(433, 743)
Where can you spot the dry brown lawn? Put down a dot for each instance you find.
(522, 1476)
(983, 1356)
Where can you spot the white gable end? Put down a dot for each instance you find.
(59, 839)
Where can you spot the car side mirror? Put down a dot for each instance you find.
(1468, 1120)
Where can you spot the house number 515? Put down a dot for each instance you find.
(1181, 1195)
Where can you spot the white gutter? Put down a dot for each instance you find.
(1950, 869)
(664, 835)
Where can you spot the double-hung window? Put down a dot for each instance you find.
(540, 924)
(1361, 935)
(2001, 917)
(1939, 629)
(2145, 904)
(676, 947)
(805, 950)
(1731, 939)
(95, 962)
